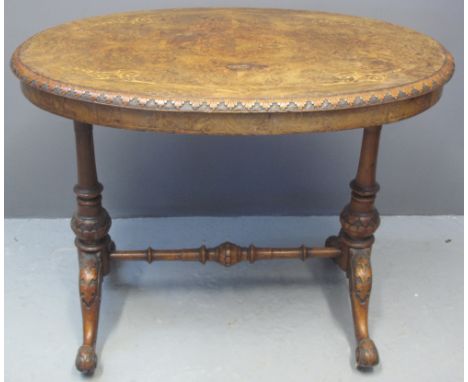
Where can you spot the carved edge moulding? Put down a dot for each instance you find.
(349, 101)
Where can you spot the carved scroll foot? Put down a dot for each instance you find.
(86, 359)
(366, 354)
(360, 284)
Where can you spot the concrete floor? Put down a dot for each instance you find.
(269, 321)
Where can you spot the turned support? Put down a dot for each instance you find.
(226, 254)
(359, 220)
(91, 224)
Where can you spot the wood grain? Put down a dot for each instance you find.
(229, 123)
(226, 254)
(231, 72)
(232, 61)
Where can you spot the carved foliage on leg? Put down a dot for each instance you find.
(90, 269)
(361, 274)
(90, 295)
(360, 283)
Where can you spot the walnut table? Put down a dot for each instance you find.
(230, 72)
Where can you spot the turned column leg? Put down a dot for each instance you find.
(91, 224)
(359, 220)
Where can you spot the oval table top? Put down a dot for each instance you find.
(232, 71)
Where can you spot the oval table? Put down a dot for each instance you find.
(230, 72)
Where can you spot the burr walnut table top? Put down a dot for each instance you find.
(232, 71)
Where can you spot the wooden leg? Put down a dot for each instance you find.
(359, 220)
(90, 294)
(360, 285)
(91, 224)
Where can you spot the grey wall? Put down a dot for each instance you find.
(421, 160)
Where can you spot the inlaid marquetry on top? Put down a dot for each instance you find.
(230, 61)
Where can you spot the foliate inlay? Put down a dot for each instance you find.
(389, 63)
(253, 106)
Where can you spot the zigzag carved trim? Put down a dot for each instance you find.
(346, 101)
